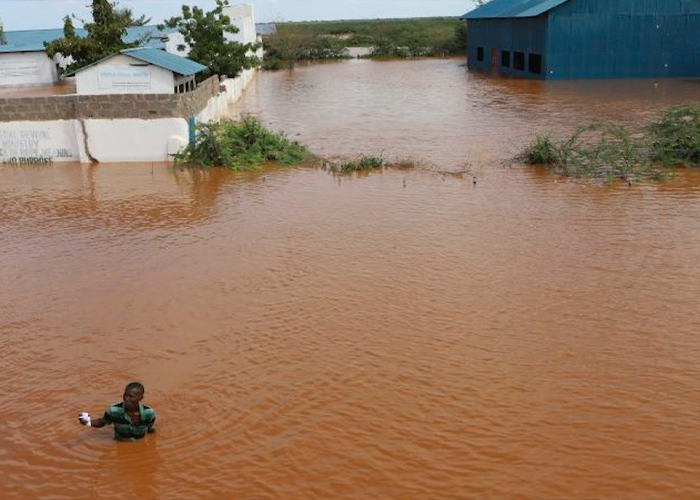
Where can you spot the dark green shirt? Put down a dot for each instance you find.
(124, 428)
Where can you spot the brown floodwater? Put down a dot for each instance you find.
(64, 88)
(404, 335)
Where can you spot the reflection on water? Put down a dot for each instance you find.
(397, 335)
(64, 88)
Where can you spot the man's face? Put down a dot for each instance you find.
(131, 398)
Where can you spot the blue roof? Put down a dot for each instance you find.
(157, 57)
(33, 40)
(512, 8)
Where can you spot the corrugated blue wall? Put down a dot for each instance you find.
(624, 38)
(597, 39)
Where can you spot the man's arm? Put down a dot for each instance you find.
(98, 422)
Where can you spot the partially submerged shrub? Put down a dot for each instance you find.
(364, 163)
(241, 145)
(675, 139)
(541, 151)
(596, 150)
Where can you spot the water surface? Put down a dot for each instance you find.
(399, 335)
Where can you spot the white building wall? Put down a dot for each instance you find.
(175, 40)
(243, 17)
(19, 69)
(124, 75)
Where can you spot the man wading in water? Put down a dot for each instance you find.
(131, 419)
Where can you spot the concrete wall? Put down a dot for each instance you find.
(231, 91)
(124, 75)
(114, 106)
(19, 69)
(110, 128)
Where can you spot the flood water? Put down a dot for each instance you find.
(404, 335)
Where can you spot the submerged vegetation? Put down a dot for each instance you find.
(675, 138)
(247, 144)
(598, 150)
(326, 40)
(361, 164)
(241, 145)
(368, 163)
(610, 151)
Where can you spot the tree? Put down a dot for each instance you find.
(205, 33)
(104, 35)
(3, 40)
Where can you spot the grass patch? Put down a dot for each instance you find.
(241, 145)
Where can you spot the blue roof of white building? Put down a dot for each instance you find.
(33, 40)
(512, 8)
(157, 57)
(176, 64)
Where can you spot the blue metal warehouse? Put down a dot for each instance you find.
(566, 39)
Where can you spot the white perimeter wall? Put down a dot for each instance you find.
(19, 69)
(110, 141)
(161, 81)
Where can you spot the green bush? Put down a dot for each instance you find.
(675, 139)
(364, 163)
(242, 145)
(541, 151)
(596, 150)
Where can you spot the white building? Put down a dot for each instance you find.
(138, 71)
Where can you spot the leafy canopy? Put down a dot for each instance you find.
(205, 33)
(104, 35)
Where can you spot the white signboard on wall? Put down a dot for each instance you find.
(124, 77)
(17, 69)
(38, 143)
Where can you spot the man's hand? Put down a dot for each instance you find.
(84, 418)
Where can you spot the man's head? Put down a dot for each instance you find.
(133, 394)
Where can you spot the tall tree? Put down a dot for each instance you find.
(3, 40)
(104, 35)
(205, 33)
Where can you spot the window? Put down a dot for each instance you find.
(519, 60)
(505, 59)
(479, 53)
(534, 63)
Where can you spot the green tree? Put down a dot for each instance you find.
(104, 35)
(3, 40)
(205, 33)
